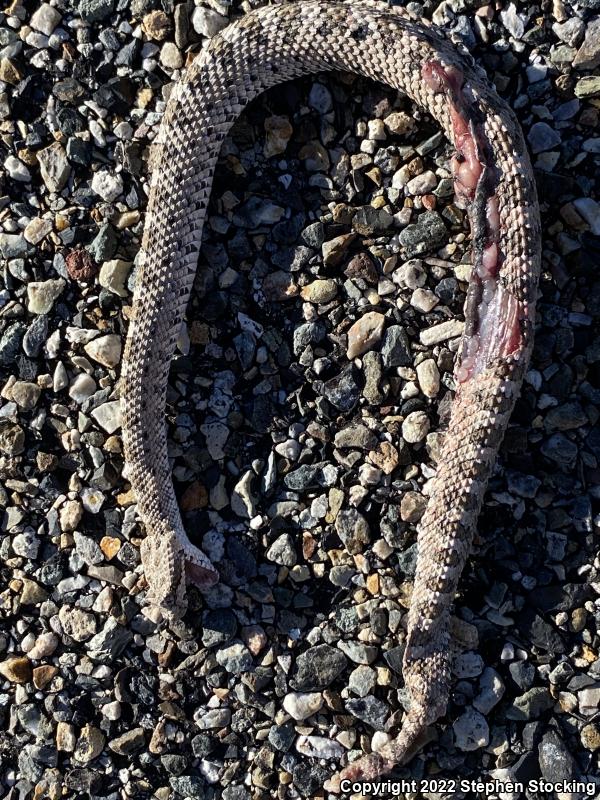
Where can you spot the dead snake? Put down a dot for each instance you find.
(493, 179)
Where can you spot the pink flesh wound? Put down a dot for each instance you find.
(498, 336)
(466, 167)
(497, 316)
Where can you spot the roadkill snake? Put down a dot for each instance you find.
(493, 180)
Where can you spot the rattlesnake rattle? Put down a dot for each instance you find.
(493, 179)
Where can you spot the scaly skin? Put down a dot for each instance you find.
(266, 47)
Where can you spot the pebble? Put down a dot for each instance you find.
(588, 86)
(156, 25)
(317, 668)
(368, 221)
(335, 249)
(415, 427)
(107, 185)
(588, 55)
(171, 58)
(17, 170)
(54, 167)
(365, 334)
(370, 710)
(441, 332)
(319, 98)
(512, 21)
(319, 747)
(319, 291)
(353, 530)
(282, 551)
(25, 394)
(12, 440)
(302, 705)
(45, 645)
(234, 658)
(90, 744)
(590, 737)
(471, 731)
(66, 738)
(82, 387)
(243, 502)
(80, 265)
(80, 625)
(41, 295)
(106, 350)
(9, 73)
(361, 266)
(95, 10)
(571, 31)
(425, 236)
(43, 675)
(395, 349)
(363, 680)
(216, 435)
(45, 19)
(356, 435)
(13, 245)
(37, 230)
(113, 276)
(556, 763)
(423, 300)
(358, 652)
(32, 594)
(108, 416)
(207, 22)
(213, 718)
(278, 132)
(128, 742)
(531, 704)
(422, 184)
(491, 691)
(70, 515)
(386, 457)
(16, 669)
(399, 122)
(428, 376)
(522, 673)
(26, 544)
(289, 449)
(412, 506)
(589, 699)
(373, 372)
(542, 137)
(590, 211)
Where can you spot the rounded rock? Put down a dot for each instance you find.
(319, 291)
(300, 705)
(415, 427)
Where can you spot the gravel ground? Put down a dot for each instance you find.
(306, 410)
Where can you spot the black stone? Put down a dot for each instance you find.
(219, 626)
(317, 668)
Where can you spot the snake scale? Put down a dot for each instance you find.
(493, 180)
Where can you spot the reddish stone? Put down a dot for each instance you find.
(361, 266)
(194, 497)
(81, 266)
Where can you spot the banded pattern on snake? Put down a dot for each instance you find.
(493, 179)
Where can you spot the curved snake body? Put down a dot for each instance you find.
(493, 178)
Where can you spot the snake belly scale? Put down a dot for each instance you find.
(493, 179)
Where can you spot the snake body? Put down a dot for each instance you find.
(493, 178)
